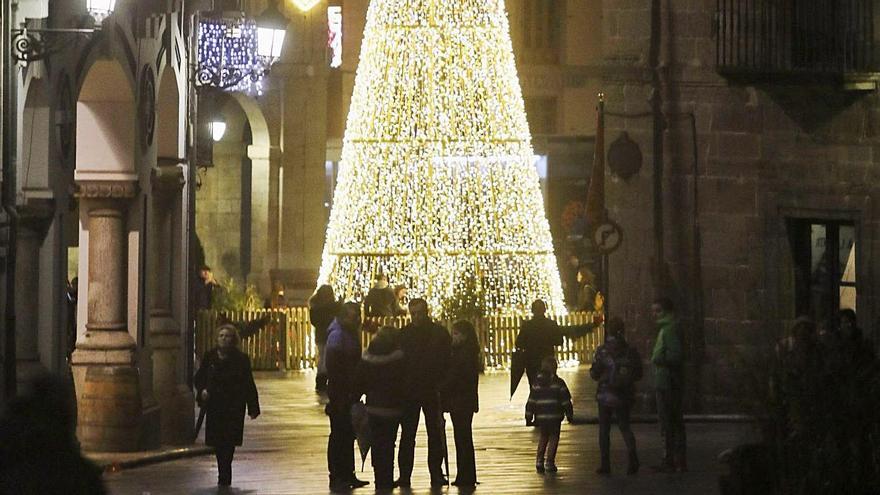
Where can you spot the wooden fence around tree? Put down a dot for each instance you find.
(287, 340)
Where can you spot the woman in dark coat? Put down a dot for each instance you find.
(461, 400)
(322, 310)
(225, 385)
(378, 377)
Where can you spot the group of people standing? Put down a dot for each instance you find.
(418, 370)
(424, 370)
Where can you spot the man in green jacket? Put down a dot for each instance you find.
(668, 383)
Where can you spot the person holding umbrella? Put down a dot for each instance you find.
(378, 377)
(225, 386)
(343, 356)
(461, 400)
(426, 348)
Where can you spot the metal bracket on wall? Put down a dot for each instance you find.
(31, 45)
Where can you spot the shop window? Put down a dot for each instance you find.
(824, 254)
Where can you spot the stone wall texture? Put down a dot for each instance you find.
(764, 153)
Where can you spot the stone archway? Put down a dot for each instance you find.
(104, 362)
(237, 205)
(167, 264)
(35, 207)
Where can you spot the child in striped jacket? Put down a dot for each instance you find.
(549, 402)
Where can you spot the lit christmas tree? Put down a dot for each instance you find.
(437, 187)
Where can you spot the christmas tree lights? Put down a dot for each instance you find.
(437, 187)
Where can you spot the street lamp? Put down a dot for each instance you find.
(306, 5)
(218, 128)
(100, 9)
(271, 28)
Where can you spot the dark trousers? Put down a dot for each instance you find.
(548, 442)
(340, 447)
(409, 424)
(384, 434)
(670, 414)
(462, 422)
(224, 463)
(622, 415)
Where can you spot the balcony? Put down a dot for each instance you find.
(797, 42)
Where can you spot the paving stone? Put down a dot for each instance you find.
(284, 450)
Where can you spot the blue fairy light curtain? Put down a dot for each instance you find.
(228, 56)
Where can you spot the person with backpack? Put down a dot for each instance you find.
(616, 367)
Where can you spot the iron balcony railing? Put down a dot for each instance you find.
(795, 37)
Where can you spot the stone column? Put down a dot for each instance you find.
(173, 395)
(28, 305)
(104, 362)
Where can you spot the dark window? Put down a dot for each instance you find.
(824, 255)
(538, 35)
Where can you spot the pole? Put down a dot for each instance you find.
(659, 126)
(190, 191)
(8, 202)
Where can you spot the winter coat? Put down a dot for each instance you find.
(667, 355)
(549, 400)
(459, 390)
(426, 350)
(342, 354)
(537, 337)
(230, 386)
(617, 367)
(380, 301)
(586, 300)
(321, 316)
(379, 377)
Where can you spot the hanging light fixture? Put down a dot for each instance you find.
(100, 9)
(306, 5)
(271, 29)
(218, 128)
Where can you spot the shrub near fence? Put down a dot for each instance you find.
(287, 341)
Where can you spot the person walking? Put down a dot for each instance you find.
(343, 354)
(225, 387)
(323, 308)
(426, 348)
(549, 402)
(378, 377)
(537, 338)
(616, 367)
(667, 358)
(460, 398)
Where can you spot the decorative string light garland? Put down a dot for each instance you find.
(228, 57)
(437, 188)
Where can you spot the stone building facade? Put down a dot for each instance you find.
(754, 177)
(102, 189)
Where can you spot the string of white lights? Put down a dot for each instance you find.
(437, 187)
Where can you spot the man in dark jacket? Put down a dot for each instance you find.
(343, 355)
(537, 338)
(426, 348)
(380, 300)
(617, 367)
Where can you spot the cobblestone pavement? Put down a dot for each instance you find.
(284, 450)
